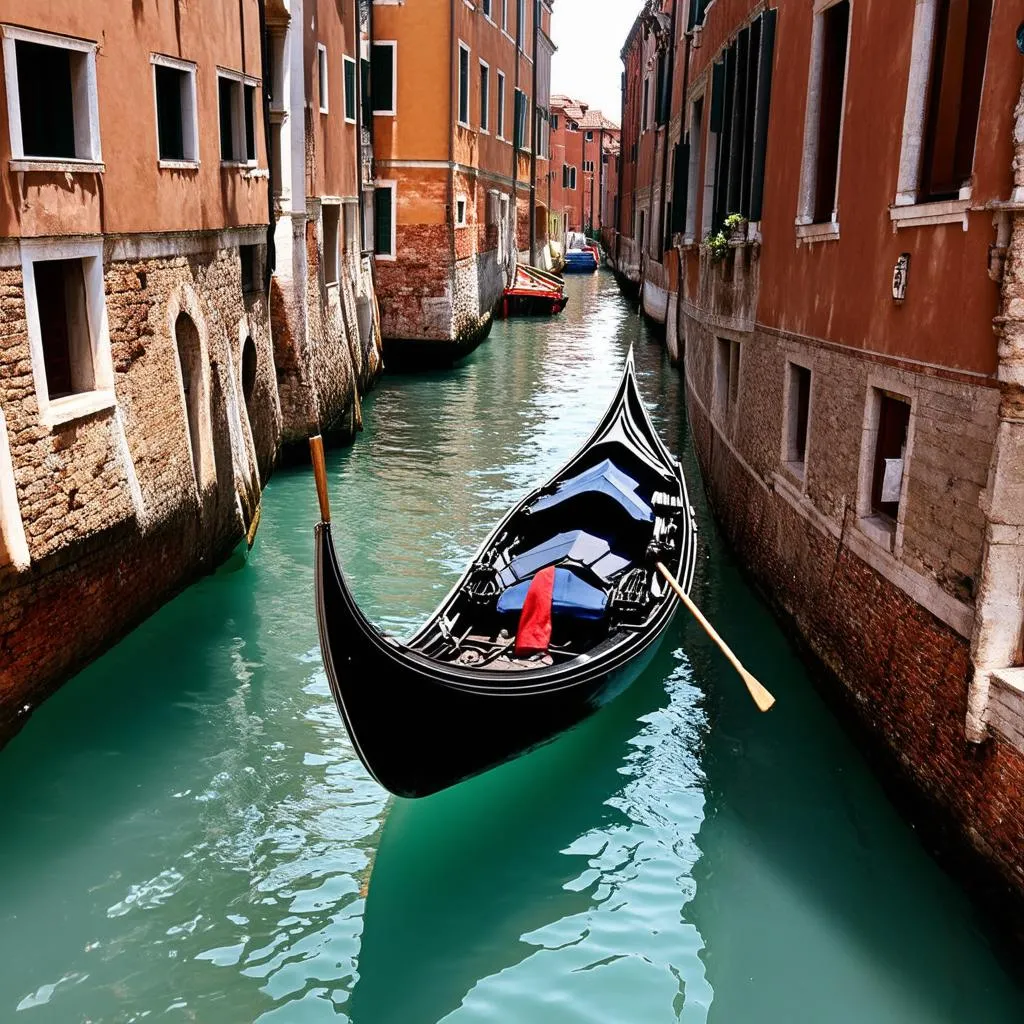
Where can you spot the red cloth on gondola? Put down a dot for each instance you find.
(534, 633)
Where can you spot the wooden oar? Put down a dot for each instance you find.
(762, 698)
(316, 451)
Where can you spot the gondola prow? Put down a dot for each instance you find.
(316, 451)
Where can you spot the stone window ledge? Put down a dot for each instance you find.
(810, 233)
(1005, 712)
(878, 529)
(921, 215)
(76, 407)
(179, 165)
(59, 166)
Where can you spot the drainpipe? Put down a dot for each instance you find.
(669, 78)
(269, 263)
(536, 139)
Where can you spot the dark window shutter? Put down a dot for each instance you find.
(383, 77)
(739, 96)
(364, 81)
(47, 100)
(717, 96)
(382, 220)
(680, 186)
(660, 106)
(764, 100)
(350, 90)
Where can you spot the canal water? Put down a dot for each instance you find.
(188, 836)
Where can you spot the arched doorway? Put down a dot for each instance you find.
(186, 336)
(248, 377)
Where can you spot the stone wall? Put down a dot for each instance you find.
(892, 626)
(119, 507)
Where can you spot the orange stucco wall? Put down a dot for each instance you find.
(133, 194)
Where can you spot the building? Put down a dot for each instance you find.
(611, 158)
(453, 177)
(143, 394)
(598, 133)
(325, 319)
(848, 218)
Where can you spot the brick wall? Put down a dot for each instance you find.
(115, 515)
(863, 612)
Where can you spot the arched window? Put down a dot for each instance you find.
(186, 336)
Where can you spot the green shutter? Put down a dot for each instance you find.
(382, 221)
(717, 96)
(364, 73)
(382, 66)
(350, 90)
(680, 187)
(764, 98)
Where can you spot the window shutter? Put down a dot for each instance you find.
(383, 76)
(364, 77)
(717, 96)
(764, 98)
(382, 218)
(680, 186)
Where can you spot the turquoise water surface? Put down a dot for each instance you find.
(188, 836)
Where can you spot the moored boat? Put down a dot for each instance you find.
(582, 256)
(534, 292)
(559, 611)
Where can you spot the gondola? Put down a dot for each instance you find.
(561, 609)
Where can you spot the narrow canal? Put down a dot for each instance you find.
(188, 836)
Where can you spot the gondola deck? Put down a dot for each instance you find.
(456, 699)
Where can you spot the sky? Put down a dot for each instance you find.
(589, 35)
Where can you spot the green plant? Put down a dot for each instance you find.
(716, 245)
(734, 221)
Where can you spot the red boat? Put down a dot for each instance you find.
(534, 292)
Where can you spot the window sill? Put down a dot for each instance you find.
(810, 233)
(927, 214)
(796, 471)
(350, 120)
(383, 113)
(76, 407)
(383, 257)
(178, 165)
(60, 166)
(878, 529)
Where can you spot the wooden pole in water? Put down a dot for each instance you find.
(762, 698)
(316, 451)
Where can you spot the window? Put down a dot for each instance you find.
(321, 70)
(522, 110)
(384, 220)
(824, 119)
(554, 122)
(485, 97)
(176, 128)
(572, 126)
(642, 236)
(647, 101)
(953, 97)
(504, 14)
(696, 131)
(521, 24)
(486, 5)
(589, 137)
(463, 85)
(889, 454)
(741, 85)
(249, 257)
(350, 90)
(52, 103)
(237, 103)
(501, 105)
(660, 91)
(565, 175)
(460, 212)
(697, 8)
(572, 178)
(69, 339)
(798, 408)
(727, 379)
(330, 216)
(383, 77)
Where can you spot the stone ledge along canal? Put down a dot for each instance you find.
(188, 835)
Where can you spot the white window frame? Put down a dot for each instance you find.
(908, 181)
(238, 128)
(391, 257)
(345, 61)
(797, 467)
(323, 79)
(487, 7)
(85, 97)
(464, 48)
(501, 93)
(504, 16)
(485, 107)
(333, 203)
(393, 43)
(463, 221)
(693, 174)
(189, 112)
(806, 228)
(86, 403)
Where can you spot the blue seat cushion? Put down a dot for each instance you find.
(604, 478)
(571, 598)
